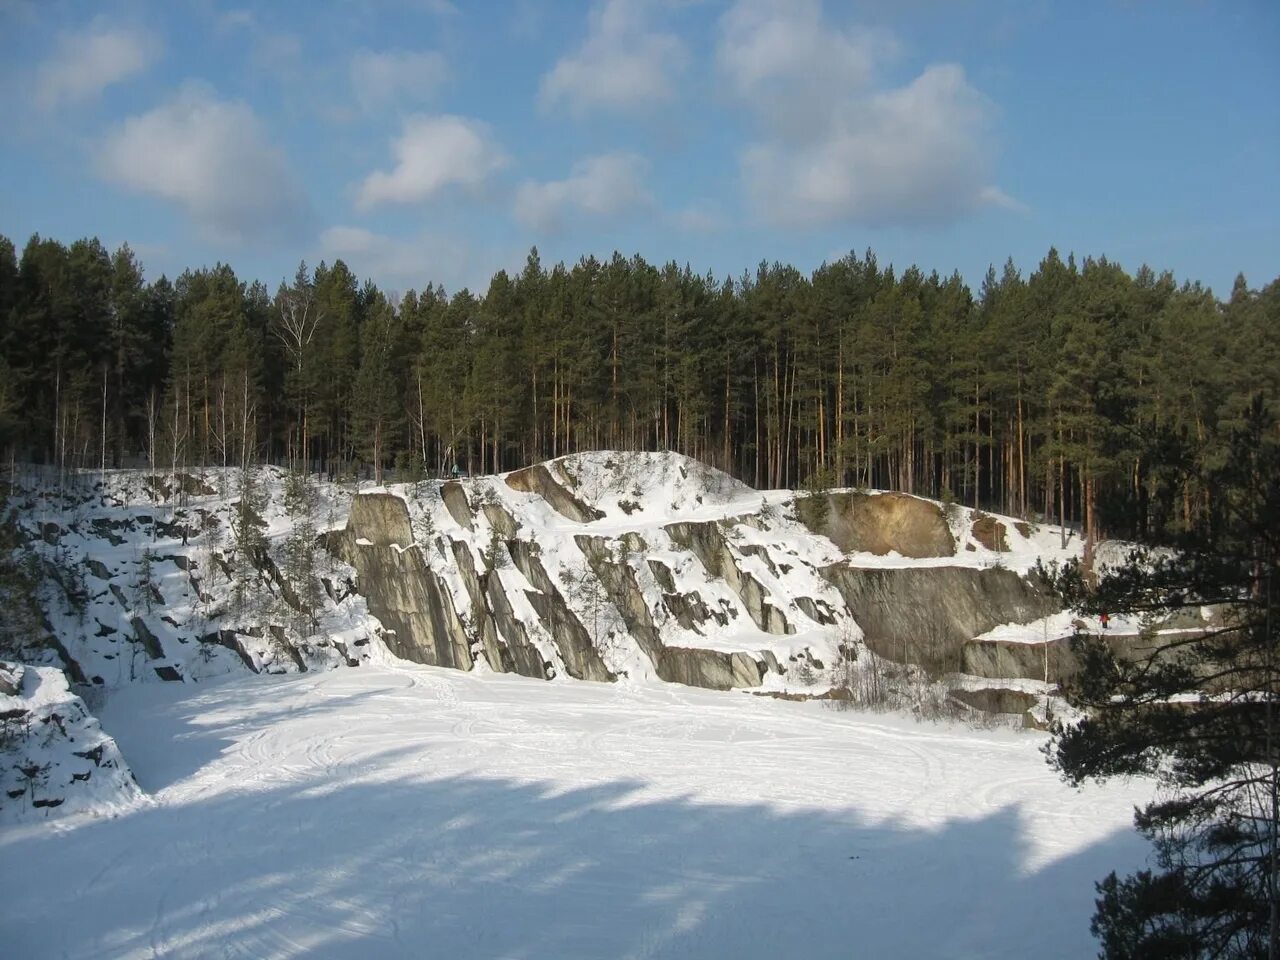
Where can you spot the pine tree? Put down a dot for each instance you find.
(1199, 711)
(374, 407)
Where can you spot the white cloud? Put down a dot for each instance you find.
(836, 145)
(600, 187)
(432, 153)
(84, 64)
(211, 157)
(699, 217)
(993, 196)
(392, 77)
(768, 44)
(621, 65)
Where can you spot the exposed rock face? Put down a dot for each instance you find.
(707, 542)
(149, 641)
(997, 699)
(926, 615)
(581, 659)
(380, 518)
(455, 501)
(407, 596)
(880, 523)
(675, 572)
(456, 597)
(402, 590)
(538, 479)
(478, 614)
(500, 520)
(1001, 660)
(998, 660)
(688, 665)
(518, 655)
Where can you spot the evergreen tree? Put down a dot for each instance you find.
(374, 400)
(1200, 712)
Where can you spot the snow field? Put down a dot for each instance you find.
(404, 811)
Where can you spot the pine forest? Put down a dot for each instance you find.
(1053, 394)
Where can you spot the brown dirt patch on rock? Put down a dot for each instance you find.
(884, 522)
(989, 532)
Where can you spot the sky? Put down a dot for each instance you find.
(438, 140)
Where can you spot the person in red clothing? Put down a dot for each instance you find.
(1106, 620)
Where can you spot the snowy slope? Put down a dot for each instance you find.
(406, 811)
(139, 582)
(54, 755)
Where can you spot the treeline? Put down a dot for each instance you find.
(1052, 394)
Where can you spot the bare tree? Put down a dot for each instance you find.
(297, 318)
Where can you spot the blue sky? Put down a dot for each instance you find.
(437, 140)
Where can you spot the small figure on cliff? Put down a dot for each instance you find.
(1105, 619)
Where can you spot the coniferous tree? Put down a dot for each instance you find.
(374, 400)
(1200, 712)
(1040, 397)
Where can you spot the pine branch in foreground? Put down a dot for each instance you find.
(1195, 708)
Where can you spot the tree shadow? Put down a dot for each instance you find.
(471, 867)
(170, 731)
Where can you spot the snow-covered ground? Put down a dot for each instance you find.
(405, 811)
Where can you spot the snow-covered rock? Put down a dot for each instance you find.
(54, 756)
(605, 566)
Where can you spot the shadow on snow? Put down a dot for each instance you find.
(470, 867)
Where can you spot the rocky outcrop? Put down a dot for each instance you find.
(1001, 660)
(149, 642)
(380, 518)
(997, 699)
(1004, 660)
(477, 613)
(518, 654)
(538, 479)
(410, 600)
(926, 615)
(54, 756)
(455, 501)
(689, 665)
(581, 659)
(689, 609)
(707, 542)
(879, 523)
(819, 611)
(500, 520)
